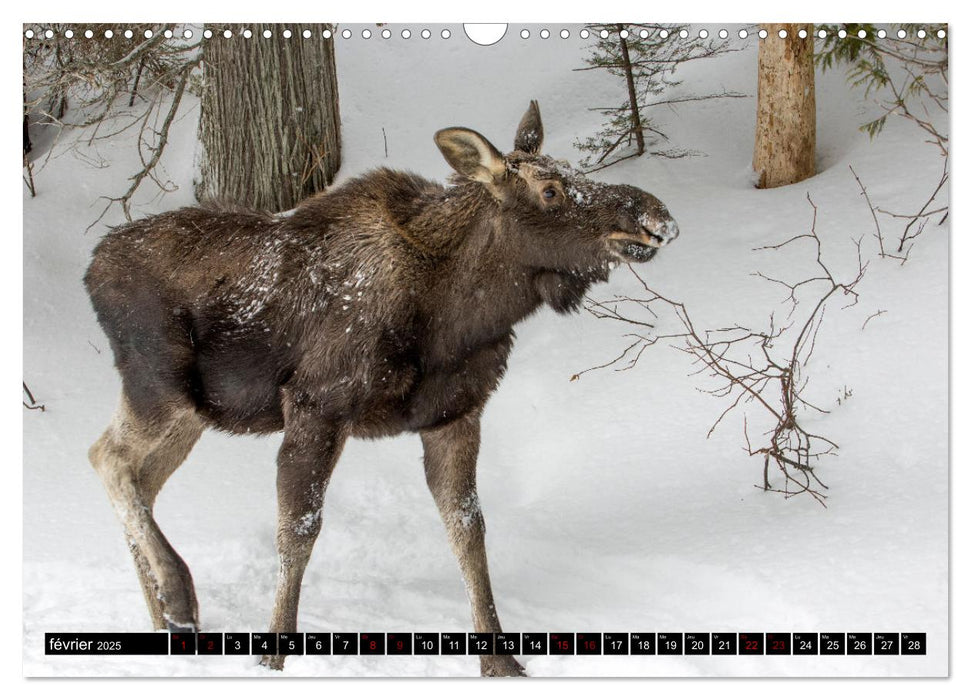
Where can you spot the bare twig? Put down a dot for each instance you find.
(29, 177)
(879, 312)
(148, 167)
(918, 220)
(138, 77)
(609, 163)
(922, 215)
(873, 211)
(33, 405)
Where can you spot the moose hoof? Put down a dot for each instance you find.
(273, 661)
(183, 628)
(501, 666)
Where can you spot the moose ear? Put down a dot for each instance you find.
(471, 154)
(529, 135)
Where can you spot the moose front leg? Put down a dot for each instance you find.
(450, 458)
(304, 465)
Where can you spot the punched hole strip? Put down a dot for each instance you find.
(406, 33)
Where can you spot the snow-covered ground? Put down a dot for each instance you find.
(607, 507)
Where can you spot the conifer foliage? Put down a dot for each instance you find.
(646, 57)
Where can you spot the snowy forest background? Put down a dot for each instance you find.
(609, 506)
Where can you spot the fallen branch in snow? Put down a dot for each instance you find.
(764, 369)
(33, 405)
(878, 312)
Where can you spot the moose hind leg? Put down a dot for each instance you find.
(305, 463)
(134, 457)
(450, 460)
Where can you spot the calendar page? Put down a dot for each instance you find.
(539, 350)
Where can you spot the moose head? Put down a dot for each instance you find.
(559, 218)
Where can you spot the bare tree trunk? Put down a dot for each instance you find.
(785, 131)
(270, 123)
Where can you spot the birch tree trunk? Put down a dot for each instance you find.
(785, 131)
(270, 123)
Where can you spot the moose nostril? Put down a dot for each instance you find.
(653, 239)
(662, 234)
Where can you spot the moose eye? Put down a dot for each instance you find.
(549, 193)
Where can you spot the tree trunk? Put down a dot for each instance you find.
(270, 124)
(785, 131)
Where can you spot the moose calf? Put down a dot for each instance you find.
(384, 305)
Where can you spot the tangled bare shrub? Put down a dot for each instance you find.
(112, 83)
(763, 369)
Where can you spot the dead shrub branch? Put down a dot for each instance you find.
(915, 222)
(93, 88)
(763, 371)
